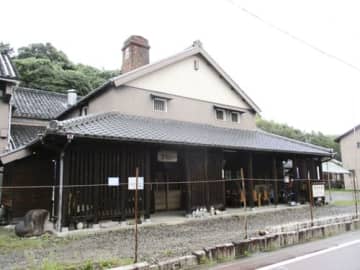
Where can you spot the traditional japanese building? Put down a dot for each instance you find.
(182, 121)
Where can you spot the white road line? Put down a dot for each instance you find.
(269, 267)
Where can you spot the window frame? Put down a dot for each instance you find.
(84, 108)
(224, 114)
(238, 117)
(160, 99)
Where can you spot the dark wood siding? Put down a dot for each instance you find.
(37, 170)
(87, 195)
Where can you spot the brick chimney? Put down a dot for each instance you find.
(135, 53)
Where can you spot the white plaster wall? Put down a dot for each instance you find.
(182, 79)
(134, 101)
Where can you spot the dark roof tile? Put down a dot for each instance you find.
(38, 104)
(22, 135)
(118, 126)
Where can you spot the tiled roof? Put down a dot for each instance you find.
(38, 104)
(118, 126)
(7, 69)
(22, 135)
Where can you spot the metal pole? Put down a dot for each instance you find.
(136, 214)
(61, 187)
(310, 200)
(355, 195)
(244, 190)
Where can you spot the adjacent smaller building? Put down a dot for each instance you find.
(334, 172)
(350, 154)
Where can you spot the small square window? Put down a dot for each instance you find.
(160, 105)
(235, 117)
(358, 145)
(220, 114)
(84, 110)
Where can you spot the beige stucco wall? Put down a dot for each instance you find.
(135, 101)
(350, 155)
(182, 79)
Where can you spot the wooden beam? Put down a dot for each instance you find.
(147, 187)
(296, 182)
(276, 182)
(123, 178)
(188, 180)
(250, 177)
(206, 178)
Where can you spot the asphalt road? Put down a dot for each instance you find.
(339, 252)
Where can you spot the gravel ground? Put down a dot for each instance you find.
(160, 241)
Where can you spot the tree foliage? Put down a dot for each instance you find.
(45, 67)
(285, 130)
(6, 48)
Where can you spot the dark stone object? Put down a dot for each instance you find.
(35, 223)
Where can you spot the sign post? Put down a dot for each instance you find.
(136, 213)
(136, 183)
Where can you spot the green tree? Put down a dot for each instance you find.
(5, 47)
(45, 51)
(285, 130)
(45, 67)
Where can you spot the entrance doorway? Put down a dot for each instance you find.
(168, 171)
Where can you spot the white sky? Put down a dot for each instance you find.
(291, 82)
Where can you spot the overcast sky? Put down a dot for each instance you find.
(291, 82)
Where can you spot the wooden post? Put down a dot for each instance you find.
(276, 182)
(244, 190)
(123, 178)
(207, 184)
(188, 180)
(250, 179)
(147, 186)
(310, 200)
(328, 180)
(136, 214)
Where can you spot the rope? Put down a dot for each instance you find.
(161, 183)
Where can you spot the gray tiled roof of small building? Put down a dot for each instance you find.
(7, 68)
(38, 104)
(118, 126)
(22, 135)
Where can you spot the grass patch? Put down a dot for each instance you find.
(9, 241)
(345, 203)
(341, 190)
(87, 265)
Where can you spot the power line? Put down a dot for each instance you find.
(294, 37)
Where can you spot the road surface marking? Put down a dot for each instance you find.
(272, 266)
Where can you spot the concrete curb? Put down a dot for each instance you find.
(301, 233)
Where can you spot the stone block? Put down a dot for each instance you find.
(272, 242)
(241, 247)
(136, 266)
(200, 256)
